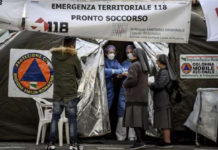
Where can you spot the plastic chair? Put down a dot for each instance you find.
(63, 120)
(45, 115)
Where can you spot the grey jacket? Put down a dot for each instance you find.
(161, 97)
(136, 89)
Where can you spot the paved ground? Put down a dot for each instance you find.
(32, 146)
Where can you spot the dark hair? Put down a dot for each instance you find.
(162, 59)
(69, 41)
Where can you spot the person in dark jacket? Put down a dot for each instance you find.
(67, 69)
(162, 104)
(136, 94)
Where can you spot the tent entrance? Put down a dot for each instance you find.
(121, 56)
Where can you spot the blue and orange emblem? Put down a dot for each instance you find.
(33, 73)
(186, 68)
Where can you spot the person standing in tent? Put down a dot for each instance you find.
(67, 69)
(121, 132)
(136, 94)
(161, 97)
(112, 69)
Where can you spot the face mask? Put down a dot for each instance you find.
(130, 56)
(111, 56)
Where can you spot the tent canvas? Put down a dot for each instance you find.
(19, 116)
(93, 116)
(17, 124)
(184, 102)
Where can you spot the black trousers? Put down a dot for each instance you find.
(140, 134)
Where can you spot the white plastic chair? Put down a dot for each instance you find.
(63, 120)
(45, 115)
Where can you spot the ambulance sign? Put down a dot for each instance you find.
(199, 66)
(30, 74)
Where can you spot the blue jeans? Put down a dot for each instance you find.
(71, 111)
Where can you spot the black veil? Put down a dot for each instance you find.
(140, 54)
(164, 60)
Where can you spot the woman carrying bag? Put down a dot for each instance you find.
(162, 103)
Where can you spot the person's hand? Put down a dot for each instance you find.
(125, 69)
(148, 84)
(125, 74)
(117, 71)
(119, 76)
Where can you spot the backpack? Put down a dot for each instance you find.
(171, 85)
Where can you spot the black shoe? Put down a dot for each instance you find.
(50, 146)
(163, 144)
(137, 145)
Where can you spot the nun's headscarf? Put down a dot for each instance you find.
(163, 59)
(129, 47)
(109, 47)
(140, 54)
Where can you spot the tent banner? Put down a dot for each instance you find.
(210, 9)
(30, 74)
(121, 20)
(199, 66)
(11, 14)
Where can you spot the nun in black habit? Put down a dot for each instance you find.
(136, 94)
(161, 97)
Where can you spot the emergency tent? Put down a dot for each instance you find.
(187, 89)
(4, 35)
(19, 117)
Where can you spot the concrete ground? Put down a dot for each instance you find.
(32, 146)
